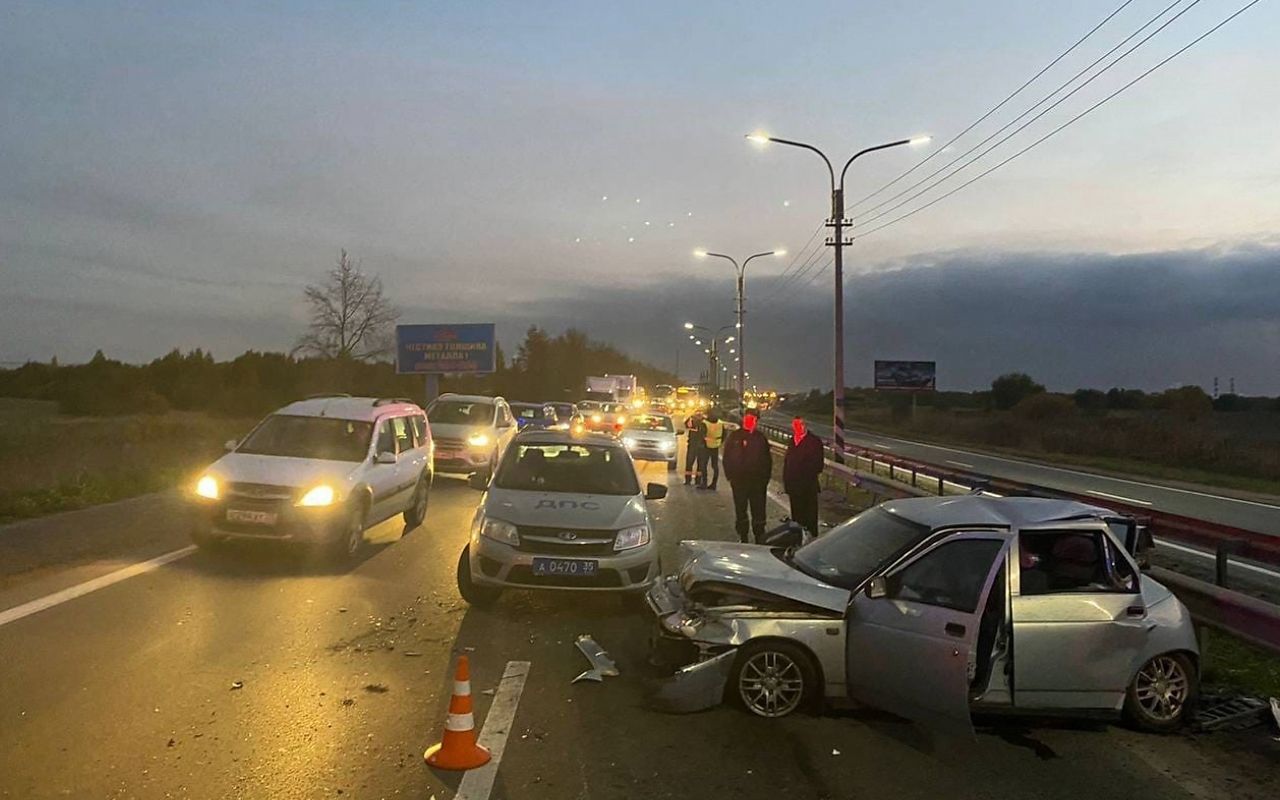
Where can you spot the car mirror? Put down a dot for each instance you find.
(878, 588)
(385, 458)
(478, 480)
(679, 433)
(655, 491)
(230, 444)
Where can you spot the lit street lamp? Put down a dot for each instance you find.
(837, 223)
(712, 352)
(741, 271)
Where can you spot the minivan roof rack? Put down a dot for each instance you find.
(323, 395)
(386, 401)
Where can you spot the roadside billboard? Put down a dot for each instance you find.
(915, 376)
(427, 349)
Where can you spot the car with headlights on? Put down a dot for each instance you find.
(564, 512)
(471, 432)
(603, 417)
(319, 472)
(651, 437)
(933, 608)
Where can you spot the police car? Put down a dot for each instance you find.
(319, 472)
(563, 511)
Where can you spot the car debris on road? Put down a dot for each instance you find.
(601, 664)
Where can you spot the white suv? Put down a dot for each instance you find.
(319, 472)
(472, 431)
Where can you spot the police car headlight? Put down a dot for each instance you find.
(629, 442)
(207, 487)
(500, 531)
(635, 536)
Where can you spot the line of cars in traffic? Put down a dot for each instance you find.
(931, 608)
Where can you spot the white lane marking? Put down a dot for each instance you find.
(959, 463)
(777, 498)
(1121, 498)
(477, 784)
(882, 445)
(1210, 557)
(1097, 475)
(81, 589)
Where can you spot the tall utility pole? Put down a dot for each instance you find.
(711, 350)
(837, 223)
(741, 271)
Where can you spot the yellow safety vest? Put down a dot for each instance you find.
(715, 433)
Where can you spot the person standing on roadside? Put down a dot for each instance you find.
(748, 465)
(711, 450)
(695, 440)
(800, 470)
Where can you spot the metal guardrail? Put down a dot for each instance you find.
(1248, 618)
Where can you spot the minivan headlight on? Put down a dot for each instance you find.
(478, 439)
(322, 495)
(500, 531)
(207, 487)
(635, 536)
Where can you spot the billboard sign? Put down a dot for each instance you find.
(916, 376)
(426, 349)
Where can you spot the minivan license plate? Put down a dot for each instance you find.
(574, 567)
(252, 517)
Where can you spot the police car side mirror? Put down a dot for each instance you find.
(230, 444)
(878, 588)
(655, 491)
(680, 433)
(478, 480)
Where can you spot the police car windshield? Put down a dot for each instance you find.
(645, 423)
(571, 468)
(458, 412)
(309, 437)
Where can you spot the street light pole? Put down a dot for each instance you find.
(837, 223)
(712, 351)
(741, 271)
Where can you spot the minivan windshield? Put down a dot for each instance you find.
(309, 437)
(572, 468)
(460, 412)
(848, 554)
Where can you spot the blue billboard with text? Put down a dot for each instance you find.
(425, 349)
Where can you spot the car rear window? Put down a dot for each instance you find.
(572, 468)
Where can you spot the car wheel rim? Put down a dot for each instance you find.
(771, 684)
(1161, 688)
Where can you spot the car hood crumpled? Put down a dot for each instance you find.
(757, 567)
(562, 509)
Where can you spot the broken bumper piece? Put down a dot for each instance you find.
(694, 688)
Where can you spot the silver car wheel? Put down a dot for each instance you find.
(771, 684)
(1162, 687)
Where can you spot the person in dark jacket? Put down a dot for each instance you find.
(695, 442)
(800, 470)
(748, 465)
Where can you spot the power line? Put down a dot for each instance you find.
(997, 106)
(1059, 101)
(1068, 123)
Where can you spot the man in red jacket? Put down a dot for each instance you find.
(748, 465)
(800, 471)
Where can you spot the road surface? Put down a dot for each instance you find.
(1253, 515)
(256, 675)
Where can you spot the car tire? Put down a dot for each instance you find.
(773, 678)
(348, 542)
(416, 513)
(1162, 694)
(474, 594)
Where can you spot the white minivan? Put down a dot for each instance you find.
(319, 472)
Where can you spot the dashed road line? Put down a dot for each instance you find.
(959, 463)
(101, 582)
(477, 784)
(1121, 498)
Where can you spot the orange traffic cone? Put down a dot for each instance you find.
(458, 749)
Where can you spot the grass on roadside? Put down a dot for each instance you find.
(1232, 663)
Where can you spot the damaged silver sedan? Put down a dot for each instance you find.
(932, 608)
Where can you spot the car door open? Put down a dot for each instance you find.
(912, 633)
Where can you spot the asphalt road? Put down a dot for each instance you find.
(1192, 502)
(344, 677)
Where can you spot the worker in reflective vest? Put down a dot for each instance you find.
(710, 468)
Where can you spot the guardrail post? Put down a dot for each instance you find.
(1221, 557)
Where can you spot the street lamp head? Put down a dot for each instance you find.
(919, 140)
(701, 252)
(780, 252)
(688, 326)
(758, 138)
(698, 342)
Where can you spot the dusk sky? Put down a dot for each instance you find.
(173, 176)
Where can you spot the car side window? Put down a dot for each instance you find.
(1056, 562)
(419, 423)
(951, 575)
(403, 433)
(386, 437)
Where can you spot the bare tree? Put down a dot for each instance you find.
(350, 317)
